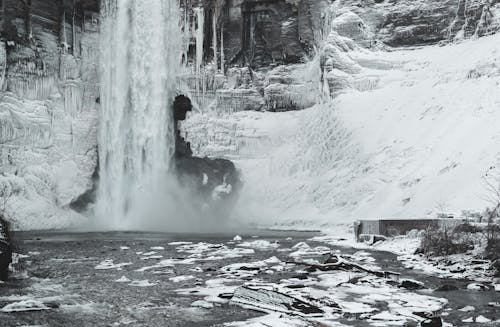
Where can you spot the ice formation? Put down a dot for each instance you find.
(199, 34)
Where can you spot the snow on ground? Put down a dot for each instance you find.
(414, 142)
(379, 301)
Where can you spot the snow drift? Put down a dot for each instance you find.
(411, 134)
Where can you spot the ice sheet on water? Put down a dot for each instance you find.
(168, 263)
(109, 264)
(25, 305)
(122, 279)
(202, 304)
(182, 278)
(275, 320)
(260, 245)
(179, 243)
(142, 283)
(148, 253)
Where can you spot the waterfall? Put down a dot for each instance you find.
(140, 47)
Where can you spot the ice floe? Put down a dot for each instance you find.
(109, 264)
(142, 283)
(25, 305)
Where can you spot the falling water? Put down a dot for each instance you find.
(140, 47)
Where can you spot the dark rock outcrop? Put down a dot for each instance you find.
(411, 284)
(82, 202)
(213, 182)
(5, 249)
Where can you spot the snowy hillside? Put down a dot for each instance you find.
(413, 141)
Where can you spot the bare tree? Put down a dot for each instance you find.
(5, 239)
(491, 182)
(492, 232)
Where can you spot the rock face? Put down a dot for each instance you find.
(258, 33)
(264, 33)
(409, 22)
(264, 43)
(213, 183)
(48, 107)
(5, 250)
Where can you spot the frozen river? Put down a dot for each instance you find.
(148, 279)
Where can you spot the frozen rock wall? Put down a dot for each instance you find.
(400, 132)
(48, 109)
(284, 55)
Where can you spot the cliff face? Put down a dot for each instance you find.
(420, 22)
(257, 33)
(48, 106)
(265, 43)
(263, 33)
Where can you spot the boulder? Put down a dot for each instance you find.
(446, 288)
(432, 322)
(411, 284)
(272, 301)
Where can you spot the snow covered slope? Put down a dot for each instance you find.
(410, 135)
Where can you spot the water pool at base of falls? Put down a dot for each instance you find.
(148, 279)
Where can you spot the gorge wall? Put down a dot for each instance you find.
(48, 107)
(271, 55)
(263, 40)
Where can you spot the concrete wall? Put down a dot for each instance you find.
(395, 227)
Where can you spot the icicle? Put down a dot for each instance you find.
(214, 41)
(326, 85)
(222, 49)
(199, 34)
(64, 39)
(186, 35)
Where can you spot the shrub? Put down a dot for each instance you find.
(493, 241)
(438, 241)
